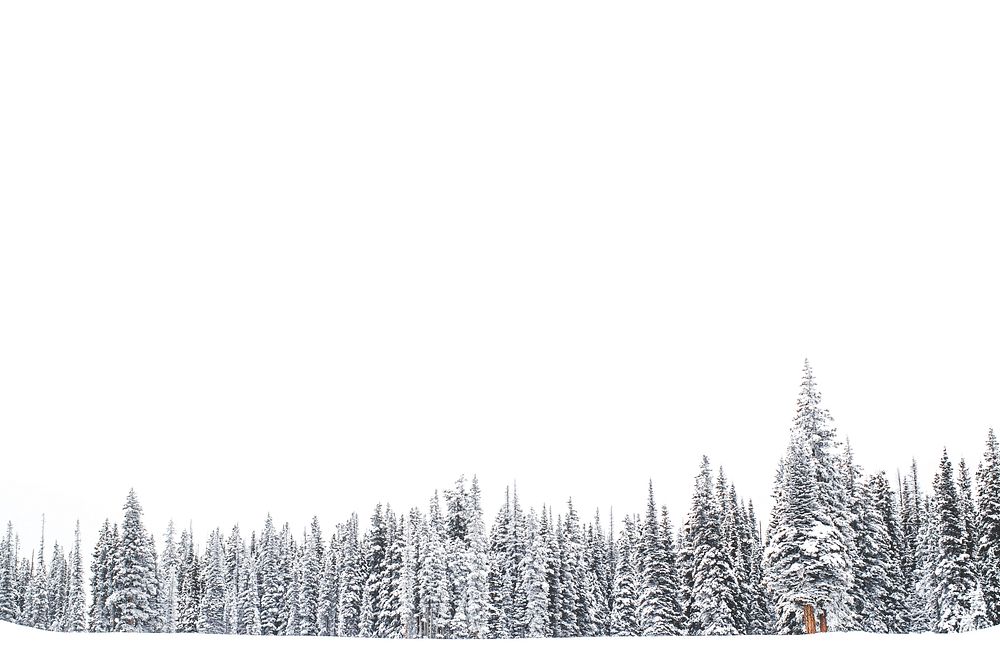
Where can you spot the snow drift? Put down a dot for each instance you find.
(840, 649)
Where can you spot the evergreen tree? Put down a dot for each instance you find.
(350, 582)
(761, 616)
(535, 582)
(36, 612)
(76, 604)
(290, 559)
(134, 587)
(309, 589)
(234, 554)
(212, 606)
(576, 620)
(249, 599)
(988, 546)
(475, 594)
(58, 588)
(880, 595)
(600, 568)
(8, 576)
(270, 580)
(169, 567)
(955, 577)
(326, 612)
(625, 590)
(102, 572)
(409, 600)
(808, 557)
(713, 582)
(189, 585)
(654, 585)
(432, 574)
(551, 533)
(387, 618)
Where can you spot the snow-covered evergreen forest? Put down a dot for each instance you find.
(868, 551)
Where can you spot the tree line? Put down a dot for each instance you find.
(866, 554)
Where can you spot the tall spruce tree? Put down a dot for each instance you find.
(955, 578)
(134, 588)
(654, 592)
(76, 604)
(350, 581)
(534, 580)
(312, 572)
(212, 605)
(810, 538)
(8, 576)
(988, 545)
(432, 575)
(270, 579)
(625, 590)
(713, 581)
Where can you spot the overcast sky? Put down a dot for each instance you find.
(283, 257)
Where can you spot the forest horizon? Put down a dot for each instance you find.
(864, 551)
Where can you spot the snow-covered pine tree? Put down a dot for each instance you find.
(713, 581)
(988, 547)
(432, 574)
(291, 568)
(350, 580)
(169, 566)
(789, 532)
(134, 587)
(102, 568)
(36, 611)
(968, 511)
(212, 607)
(76, 604)
(594, 602)
(387, 619)
(329, 587)
(373, 550)
(501, 598)
(475, 600)
(534, 581)
(550, 532)
(8, 576)
(761, 615)
(735, 543)
(625, 589)
(58, 588)
(877, 597)
(653, 577)
(955, 577)
(810, 539)
(912, 516)
(156, 594)
(409, 594)
(309, 589)
(574, 620)
(235, 552)
(457, 502)
(600, 568)
(270, 579)
(924, 611)
(189, 585)
(22, 588)
(249, 598)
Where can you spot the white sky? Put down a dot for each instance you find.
(302, 257)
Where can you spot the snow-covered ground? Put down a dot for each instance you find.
(18, 645)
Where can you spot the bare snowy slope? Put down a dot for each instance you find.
(18, 644)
